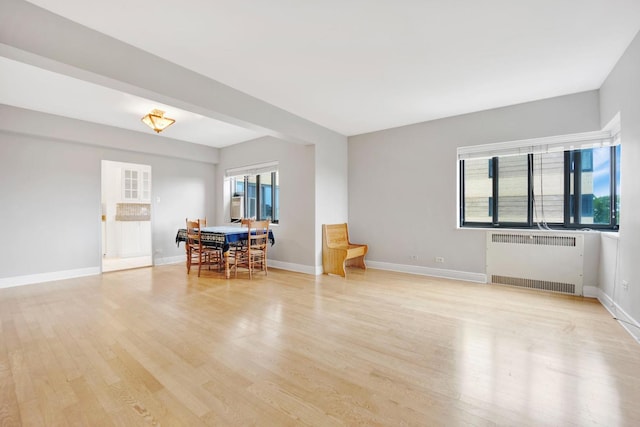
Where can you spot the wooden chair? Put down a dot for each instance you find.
(186, 246)
(253, 253)
(202, 221)
(338, 252)
(199, 253)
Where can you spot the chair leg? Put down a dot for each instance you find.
(235, 264)
(264, 265)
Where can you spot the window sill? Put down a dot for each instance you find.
(614, 234)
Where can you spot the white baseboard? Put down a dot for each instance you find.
(627, 322)
(298, 268)
(9, 282)
(428, 271)
(606, 301)
(170, 260)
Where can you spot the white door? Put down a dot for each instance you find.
(126, 215)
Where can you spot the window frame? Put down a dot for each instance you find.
(571, 158)
(259, 215)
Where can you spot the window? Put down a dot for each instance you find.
(478, 192)
(548, 188)
(512, 190)
(590, 177)
(541, 187)
(258, 190)
(617, 193)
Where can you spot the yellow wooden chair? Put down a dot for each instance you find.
(198, 253)
(252, 254)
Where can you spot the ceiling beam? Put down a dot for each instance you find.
(35, 36)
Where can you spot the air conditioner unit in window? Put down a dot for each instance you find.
(237, 207)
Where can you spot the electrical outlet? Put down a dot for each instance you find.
(413, 257)
(625, 285)
(440, 259)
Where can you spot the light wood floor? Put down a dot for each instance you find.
(154, 346)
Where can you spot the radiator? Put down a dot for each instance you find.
(536, 260)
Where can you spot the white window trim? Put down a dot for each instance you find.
(256, 169)
(550, 144)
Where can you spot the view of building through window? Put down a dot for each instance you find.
(548, 188)
(561, 189)
(258, 195)
(478, 190)
(513, 189)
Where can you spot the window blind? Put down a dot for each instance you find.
(550, 144)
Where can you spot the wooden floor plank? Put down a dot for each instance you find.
(155, 346)
(9, 406)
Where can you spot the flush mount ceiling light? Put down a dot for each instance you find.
(157, 121)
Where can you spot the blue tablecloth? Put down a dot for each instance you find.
(220, 236)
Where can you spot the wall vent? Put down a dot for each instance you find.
(536, 260)
(533, 239)
(544, 285)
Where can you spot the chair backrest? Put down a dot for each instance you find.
(201, 221)
(261, 236)
(258, 233)
(336, 235)
(193, 231)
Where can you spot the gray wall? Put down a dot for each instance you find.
(332, 190)
(50, 194)
(403, 181)
(621, 93)
(50, 170)
(50, 198)
(66, 47)
(294, 248)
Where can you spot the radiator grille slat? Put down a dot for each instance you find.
(544, 285)
(532, 239)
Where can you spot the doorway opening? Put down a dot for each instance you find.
(126, 216)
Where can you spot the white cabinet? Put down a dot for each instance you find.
(133, 227)
(134, 238)
(136, 184)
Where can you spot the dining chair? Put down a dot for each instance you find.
(187, 245)
(199, 253)
(252, 253)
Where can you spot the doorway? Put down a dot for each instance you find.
(126, 215)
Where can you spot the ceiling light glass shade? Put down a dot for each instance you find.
(157, 121)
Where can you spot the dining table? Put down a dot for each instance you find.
(222, 237)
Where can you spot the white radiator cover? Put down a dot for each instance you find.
(537, 260)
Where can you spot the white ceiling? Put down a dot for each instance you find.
(26, 86)
(353, 66)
